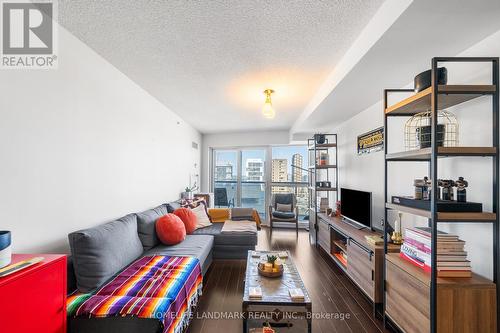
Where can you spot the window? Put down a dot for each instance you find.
(225, 177)
(240, 178)
(245, 177)
(290, 174)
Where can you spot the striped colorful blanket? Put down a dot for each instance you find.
(161, 287)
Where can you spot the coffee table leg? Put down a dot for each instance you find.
(245, 316)
(309, 319)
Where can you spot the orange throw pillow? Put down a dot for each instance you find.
(188, 217)
(170, 229)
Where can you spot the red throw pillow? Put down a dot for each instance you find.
(188, 217)
(170, 229)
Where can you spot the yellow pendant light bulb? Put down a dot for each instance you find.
(268, 110)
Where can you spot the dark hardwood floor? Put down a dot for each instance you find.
(330, 290)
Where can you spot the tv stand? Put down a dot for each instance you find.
(362, 262)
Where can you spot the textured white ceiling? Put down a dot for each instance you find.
(405, 49)
(209, 61)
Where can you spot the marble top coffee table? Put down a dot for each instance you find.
(276, 306)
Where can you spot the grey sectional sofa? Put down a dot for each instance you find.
(99, 253)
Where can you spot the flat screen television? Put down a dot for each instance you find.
(356, 206)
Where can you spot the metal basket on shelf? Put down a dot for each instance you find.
(418, 130)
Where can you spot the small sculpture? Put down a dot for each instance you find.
(447, 189)
(461, 184)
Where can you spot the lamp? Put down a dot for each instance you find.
(268, 110)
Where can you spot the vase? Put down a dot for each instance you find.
(187, 195)
(5, 248)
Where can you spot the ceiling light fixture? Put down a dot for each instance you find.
(268, 110)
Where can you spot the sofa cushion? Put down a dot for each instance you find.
(170, 229)
(202, 218)
(146, 225)
(188, 218)
(173, 206)
(242, 214)
(199, 246)
(221, 238)
(219, 214)
(284, 207)
(283, 215)
(101, 252)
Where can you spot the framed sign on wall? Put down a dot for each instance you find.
(371, 141)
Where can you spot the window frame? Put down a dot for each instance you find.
(267, 179)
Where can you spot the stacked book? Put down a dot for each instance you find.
(451, 257)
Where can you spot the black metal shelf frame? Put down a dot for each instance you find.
(314, 148)
(433, 168)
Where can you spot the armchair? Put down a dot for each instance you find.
(220, 198)
(284, 208)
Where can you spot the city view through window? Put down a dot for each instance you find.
(288, 174)
(243, 177)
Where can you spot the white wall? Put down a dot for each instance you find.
(367, 172)
(82, 145)
(239, 139)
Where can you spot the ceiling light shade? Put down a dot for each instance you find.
(268, 110)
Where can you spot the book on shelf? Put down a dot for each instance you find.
(412, 260)
(341, 257)
(454, 264)
(426, 232)
(453, 268)
(451, 258)
(374, 239)
(446, 250)
(415, 253)
(448, 271)
(425, 241)
(454, 274)
(445, 257)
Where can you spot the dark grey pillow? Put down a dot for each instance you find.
(242, 214)
(146, 226)
(101, 252)
(173, 206)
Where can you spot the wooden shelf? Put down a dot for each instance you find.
(425, 277)
(326, 189)
(451, 95)
(341, 245)
(445, 216)
(323, 146)
(467, 217)
(409, 210)
(425, 153)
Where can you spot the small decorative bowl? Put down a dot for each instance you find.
(269, 274)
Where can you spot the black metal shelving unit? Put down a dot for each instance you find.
(442, 97)
(317, 173)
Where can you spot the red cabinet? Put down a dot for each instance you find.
(34, 299)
